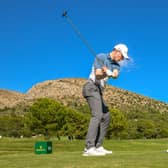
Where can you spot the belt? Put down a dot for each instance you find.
(91, 81)
(95, 83)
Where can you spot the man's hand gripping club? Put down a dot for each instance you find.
(105, 72)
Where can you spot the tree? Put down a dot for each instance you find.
(11, 126)
(118, 124)
(48, 117)
(146, 127)
(45, 117)
(75, 124)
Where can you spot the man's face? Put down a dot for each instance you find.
(117, 56)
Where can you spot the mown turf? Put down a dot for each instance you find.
(19, 153)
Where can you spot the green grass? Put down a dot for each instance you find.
(19, 153)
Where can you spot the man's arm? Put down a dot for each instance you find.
(113, 74)
(104, 72)
(100, 74)
(101, 71)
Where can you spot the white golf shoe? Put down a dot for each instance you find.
(93, 152)
(101, 149)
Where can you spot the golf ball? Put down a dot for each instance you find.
(167, 150)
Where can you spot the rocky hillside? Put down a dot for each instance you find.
(68, 91)
(10, 98)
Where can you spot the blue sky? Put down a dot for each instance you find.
(37, 44)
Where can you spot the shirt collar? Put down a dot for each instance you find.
(108, 56)
(112, 61)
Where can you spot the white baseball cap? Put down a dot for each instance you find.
(123, 49)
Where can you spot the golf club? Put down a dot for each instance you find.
(79, 34)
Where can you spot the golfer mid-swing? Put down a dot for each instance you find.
(105, 66)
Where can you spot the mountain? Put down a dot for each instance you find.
(69, 92)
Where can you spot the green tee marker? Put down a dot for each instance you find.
(43, 147)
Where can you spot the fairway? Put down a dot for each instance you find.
(19, 153)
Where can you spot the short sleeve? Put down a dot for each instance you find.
(115, 66)
(99, 61)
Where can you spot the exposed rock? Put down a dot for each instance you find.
(10, 98)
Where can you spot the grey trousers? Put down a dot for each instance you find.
(100, 118)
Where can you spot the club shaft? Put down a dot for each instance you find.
(79, 34)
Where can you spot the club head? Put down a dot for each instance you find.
(65, 14)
